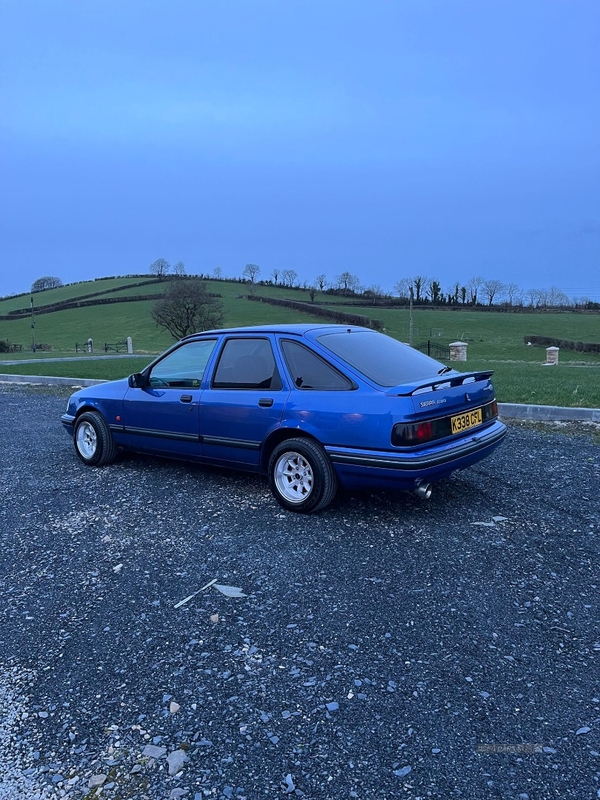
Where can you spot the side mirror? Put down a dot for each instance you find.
(136, 381)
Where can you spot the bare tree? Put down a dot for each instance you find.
(556, 297)
(402, 288)
(47, 282)
(218, 274)
(474, 285)
(537, 297)
(543, 298)
(491, 288)
(179, 268)
(514, 293)
(275, 275)
(289, 277)
(160, 267)
(348, 282)
(250, 272)
(186, 307)
(321, 282)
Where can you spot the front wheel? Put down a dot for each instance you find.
(94, 443)
(301, 476)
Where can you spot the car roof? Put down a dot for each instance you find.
(297, 329)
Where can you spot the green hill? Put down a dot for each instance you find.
(115, 321)
(495, 338)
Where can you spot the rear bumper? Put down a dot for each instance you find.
(405, 468)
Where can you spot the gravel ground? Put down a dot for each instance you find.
(387, 648)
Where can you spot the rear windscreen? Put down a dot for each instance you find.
(384, 360)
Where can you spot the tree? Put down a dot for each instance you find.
(418, 284)
(160, 267)
(556, 297)
(186, 307)
(402, 288)
(46, 282)
(453, 294)
(275, 275)
(474, 285)
(289, 277)
(434, 290)
(348, 282)
(179, 268)
(321, 281)
(491, 288)
(218, 274)
(250, 272)
(514, 294)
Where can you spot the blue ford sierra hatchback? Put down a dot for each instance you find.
(311, 406)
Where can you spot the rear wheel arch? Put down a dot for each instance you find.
(276, 438)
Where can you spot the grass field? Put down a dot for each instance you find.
(495, 339)
(71, 292)
(97, 369)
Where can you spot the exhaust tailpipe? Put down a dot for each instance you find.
(423, 490)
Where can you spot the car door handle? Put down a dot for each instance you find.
(265, 402)
(186, 398)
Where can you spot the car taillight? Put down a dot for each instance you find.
(418, 433)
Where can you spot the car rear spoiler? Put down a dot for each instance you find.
(442, 381)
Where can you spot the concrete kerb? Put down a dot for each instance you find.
(548, 413)
(515, 411)
(44, 380)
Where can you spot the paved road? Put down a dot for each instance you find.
(386, 648)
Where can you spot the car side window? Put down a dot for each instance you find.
(310, 371)
(183, 368)
(247, 364)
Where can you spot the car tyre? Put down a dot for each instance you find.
(301, 476)
(94, 443)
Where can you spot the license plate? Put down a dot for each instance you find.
(462, 422)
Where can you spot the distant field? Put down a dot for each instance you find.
(568, 384)
(487, 332)
(115, 322)
(495, 339)
(70, 292)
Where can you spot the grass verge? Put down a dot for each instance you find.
(109, 370)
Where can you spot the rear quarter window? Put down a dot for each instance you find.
(310, 371)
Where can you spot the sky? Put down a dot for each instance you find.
(385, 138)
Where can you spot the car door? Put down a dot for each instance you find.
(244, 402)
(162, 417)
